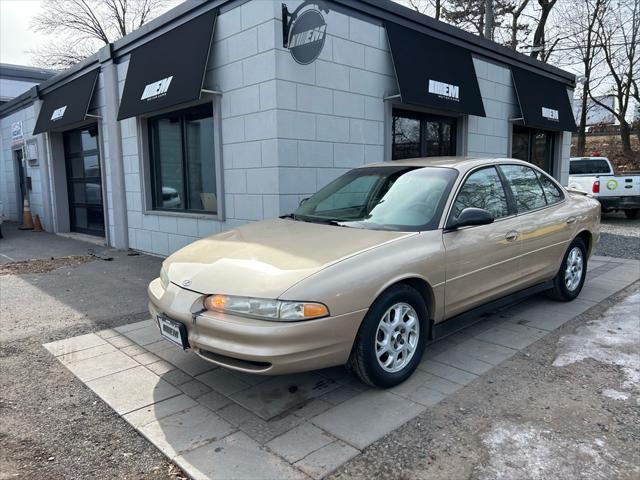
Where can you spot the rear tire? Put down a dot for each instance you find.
(568, 283)
(632, 213)
(391, 339)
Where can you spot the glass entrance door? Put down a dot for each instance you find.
(534, 146)
(84, 183)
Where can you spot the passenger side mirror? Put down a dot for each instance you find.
(472, 216)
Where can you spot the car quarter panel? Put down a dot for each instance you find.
(354, 283)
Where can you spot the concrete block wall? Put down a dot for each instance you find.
(490, 135)
(242, 67)
(9, 171)
(330, 114)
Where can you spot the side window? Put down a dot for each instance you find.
(483, 189)
(551, 190)
(525, 187)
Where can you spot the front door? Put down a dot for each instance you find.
(84, 183)
(482, 261)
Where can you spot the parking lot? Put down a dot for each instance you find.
(105, 395)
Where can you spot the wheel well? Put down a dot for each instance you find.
(586, 237)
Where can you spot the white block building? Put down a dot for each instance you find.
(206, 118)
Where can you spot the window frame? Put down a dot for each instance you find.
(550, 145)
(146, 168)
(536, 171)
(423, 118)
(511, 206)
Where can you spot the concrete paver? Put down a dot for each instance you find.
(186, 430)
(367, 417)
(300, 442)
(327, 459)
(132, 389)
(220, 423)
(236, 457)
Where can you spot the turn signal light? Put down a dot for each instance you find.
(596, 187)
(313, 310)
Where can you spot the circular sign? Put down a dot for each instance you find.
(307, 36)
(612, 184)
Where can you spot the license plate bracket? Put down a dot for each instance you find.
(173, 331)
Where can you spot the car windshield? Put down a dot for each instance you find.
(382, 198)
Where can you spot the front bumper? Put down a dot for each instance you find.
(257, 346)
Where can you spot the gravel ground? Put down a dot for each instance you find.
(620, 237)
(53, 426)
(566, 407)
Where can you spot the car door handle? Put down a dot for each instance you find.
(511, 236)
(571, 220)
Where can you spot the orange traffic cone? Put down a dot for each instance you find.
(27, 219)
(37, 225)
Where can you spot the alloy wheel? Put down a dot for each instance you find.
(574, 269)
(397, 337)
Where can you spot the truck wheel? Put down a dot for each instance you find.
(632, 213)
(391, 339)
(568, 283)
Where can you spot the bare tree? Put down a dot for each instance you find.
(83, 26)
(581, 48)
(515, 9)
(617, 32)
(428, 7)
(540, 50)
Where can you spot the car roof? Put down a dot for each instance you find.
(460, 163)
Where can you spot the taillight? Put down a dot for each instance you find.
(596, 187)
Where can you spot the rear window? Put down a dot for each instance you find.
(586, 166)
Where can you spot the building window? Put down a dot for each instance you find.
(533, 146)
(183, 160)
(421, 135)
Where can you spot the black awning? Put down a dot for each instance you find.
(544, 102)
(433, 73)
(67, 104)
(169, 70)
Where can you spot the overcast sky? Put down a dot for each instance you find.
(15, 36)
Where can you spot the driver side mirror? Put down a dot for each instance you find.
(470, 217)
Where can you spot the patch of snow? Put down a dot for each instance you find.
(614, 339)
(519, 452)
(614, 394)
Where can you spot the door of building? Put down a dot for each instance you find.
(84, 182)
(22, 186)
(417, 134)
(534, 146)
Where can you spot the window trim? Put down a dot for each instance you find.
(507, 192)
(146, 170)
(423, 117)
(448, 211)
(535, 169)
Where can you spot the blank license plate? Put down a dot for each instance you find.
(173, 331)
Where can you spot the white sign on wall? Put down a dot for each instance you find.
(17, 133)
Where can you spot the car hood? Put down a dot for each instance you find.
(265, 259)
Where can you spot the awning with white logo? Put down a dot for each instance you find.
(433, 73)
(544, 102)
(168, 70)
(67, 104)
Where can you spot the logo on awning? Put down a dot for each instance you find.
(305, 32)
(156, 89)
(58, 113)
(444, 90)
(550, 114)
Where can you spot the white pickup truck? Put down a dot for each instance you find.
(595, 176)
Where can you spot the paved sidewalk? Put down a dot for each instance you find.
(215, 423)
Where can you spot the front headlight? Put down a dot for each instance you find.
(164, 277)
(266, 308)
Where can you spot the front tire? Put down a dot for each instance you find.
(391, 339)
(568, 283)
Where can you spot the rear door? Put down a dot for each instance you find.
(544, 219)
(482, 261)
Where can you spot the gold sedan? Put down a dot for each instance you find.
(374, 265)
